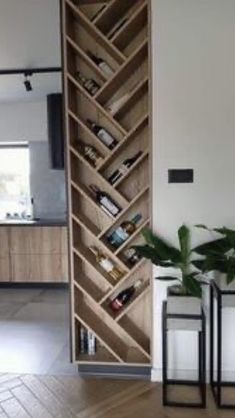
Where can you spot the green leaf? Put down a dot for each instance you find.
(202, 226)
(167, 278)
(193, 286)
(217, 246)
(184, 235)
(150, 254)
(230, 270)
(163, 250)
(199, 264)
(229, 234)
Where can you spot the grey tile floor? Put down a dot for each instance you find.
(34, 331)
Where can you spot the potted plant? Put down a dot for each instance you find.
(218, 256)
(184, 297)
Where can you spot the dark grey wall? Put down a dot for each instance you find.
(47, 186)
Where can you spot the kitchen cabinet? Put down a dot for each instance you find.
(4, 255)
(35, 254)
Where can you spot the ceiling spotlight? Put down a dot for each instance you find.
(27, 82)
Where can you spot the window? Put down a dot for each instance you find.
(14, 179)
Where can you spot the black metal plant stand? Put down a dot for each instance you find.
(224, 298)
(201, 382)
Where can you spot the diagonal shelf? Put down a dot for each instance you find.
(137, 342)
(107, 18)
(85, 194)
(143, 291)
(137, 197)
(116, 316)
(86, 222)
(84, 128)
(77, 154)
(84, 254)
(105, 335)
(136, 21)
(135, 130)
(131, 169)
(132, 237)
(126, 69)
(108, 186)
(137, 334)
(86, 58)
(120, 282)
(95, 33)
(96, 104)
(132, 97)
(85, 285)
(105, 249)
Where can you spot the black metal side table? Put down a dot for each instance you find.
(225, 296)
(188, 322)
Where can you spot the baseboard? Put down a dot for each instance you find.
(35, 285)
(115, 372)
(156, 375)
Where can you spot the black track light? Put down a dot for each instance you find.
(27, 83)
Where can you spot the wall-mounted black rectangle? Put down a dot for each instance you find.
(180, 175)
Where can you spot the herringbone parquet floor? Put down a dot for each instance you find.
(24, 396)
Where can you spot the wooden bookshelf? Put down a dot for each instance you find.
(122, 338)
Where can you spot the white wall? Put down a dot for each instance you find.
(193, 127)
(23, 121)
(29, 33)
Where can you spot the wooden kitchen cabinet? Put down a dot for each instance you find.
(33, 254)
(4, 255)
(37, 240)
(38, 268)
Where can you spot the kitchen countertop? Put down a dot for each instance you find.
(36, 222)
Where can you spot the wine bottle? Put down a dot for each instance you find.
(88, 83)
(90, 153)
(131, 256)
(105, 201)
(103, 65)
(123, 297)
(117, 26)
(91, 343)
(102, 134)
(106, 264)
(114, 106)
(83, 340)
(124, 231)
(123, 169)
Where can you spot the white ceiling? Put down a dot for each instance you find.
(29, 37)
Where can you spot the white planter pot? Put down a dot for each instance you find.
(228, 301)
(184, 305)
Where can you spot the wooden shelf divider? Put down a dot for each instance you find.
(95, 33)
(97, 105)
(123, 338)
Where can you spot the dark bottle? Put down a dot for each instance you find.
(105, 201)
(90, 153)
(102, 134)
(83, 343)
(89, 84)
(117, 26)
(103, 65)
(123, 297)
(123, 169)
(131, 256)
(124, 231)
